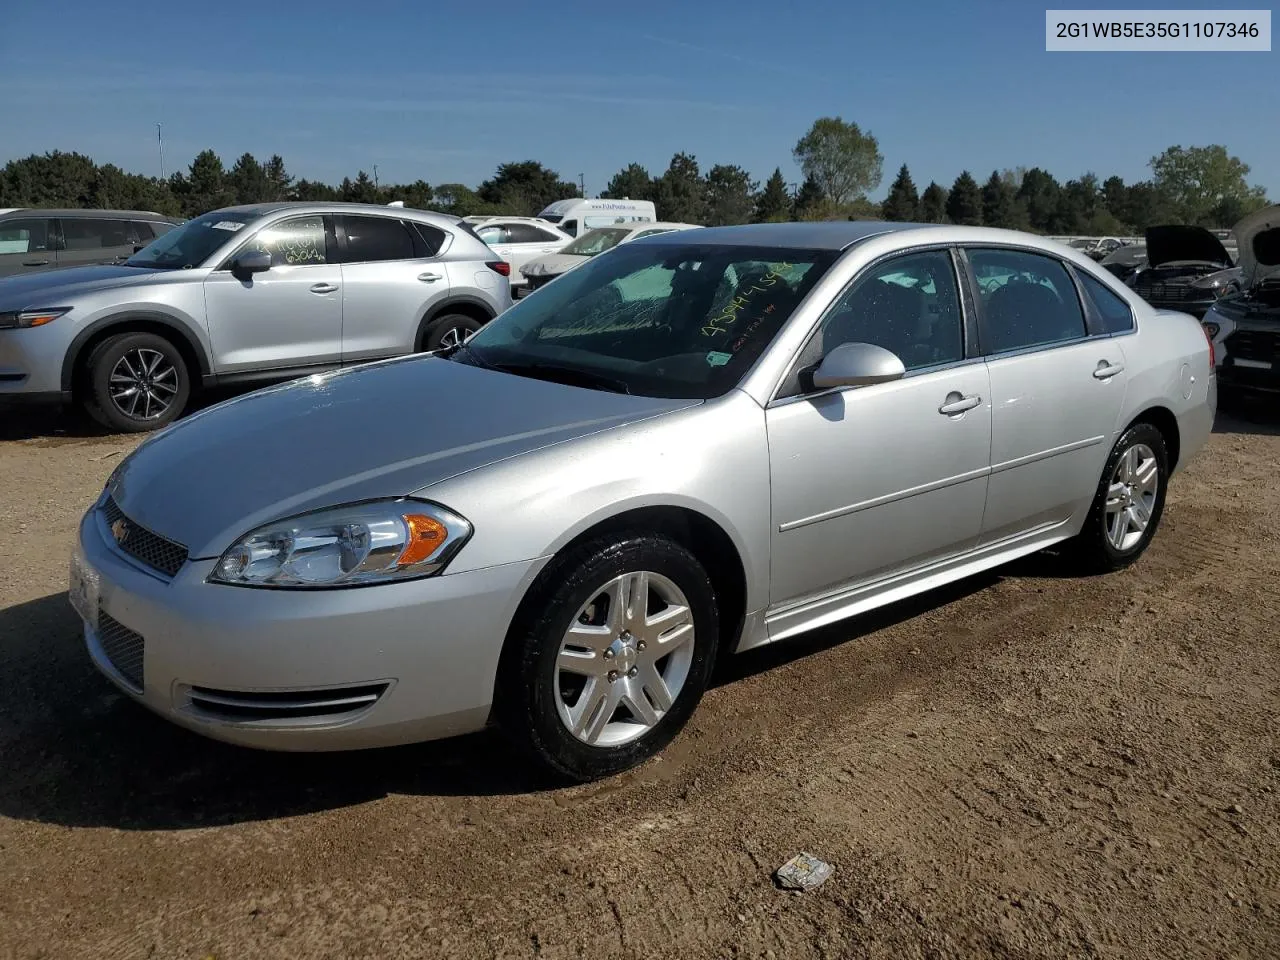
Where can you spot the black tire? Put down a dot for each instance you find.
(439, 330)
(525, 696)
(120, 416)
(1092, 550)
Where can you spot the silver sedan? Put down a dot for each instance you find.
(694, 445)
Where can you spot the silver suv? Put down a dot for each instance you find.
(249, 294)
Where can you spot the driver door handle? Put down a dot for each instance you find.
(324, 288)
(958, 403)
(1106, 369)
(429, 277)
(35, 263)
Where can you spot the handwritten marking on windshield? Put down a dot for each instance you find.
(722, 322)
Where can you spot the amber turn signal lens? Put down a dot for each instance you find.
(38, 319)
(426, 534)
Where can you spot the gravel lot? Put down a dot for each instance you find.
(1021, 766)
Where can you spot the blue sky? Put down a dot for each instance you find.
(446, 91)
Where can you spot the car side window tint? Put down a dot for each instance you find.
(571, 228)
(1115, 314)
(432, 238)
(545, 236)
(909, 305)
(298, 242)
(377, 239)
(96, 234)
(524, 233)
(24, 236)
(1026, 299)
(492, 234)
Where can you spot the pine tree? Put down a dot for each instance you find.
(933, 204)
(964, 203)
(773, 204)
(999, 202)
(903, 204)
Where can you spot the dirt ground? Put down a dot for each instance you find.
(1021, 766)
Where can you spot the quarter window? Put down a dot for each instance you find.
(909, 305)
(374, 239)
(1027, 300)
(432, 238)
(23, 236)
(1114, 313)
(299, 242)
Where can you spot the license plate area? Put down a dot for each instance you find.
(83, 587)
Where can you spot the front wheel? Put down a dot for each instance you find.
(1128, 503)
(611, 656)
(136, 382)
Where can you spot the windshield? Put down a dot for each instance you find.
(676, 320)
(192, 243)
(596, 241)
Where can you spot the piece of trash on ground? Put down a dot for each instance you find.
(804, 871)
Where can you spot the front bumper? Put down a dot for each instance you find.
(300, 670)
(31, 359)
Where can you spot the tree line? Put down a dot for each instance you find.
(840, 164)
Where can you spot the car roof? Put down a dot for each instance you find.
(87, 214)
(334, 206)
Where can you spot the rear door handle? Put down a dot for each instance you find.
(35, 263)
(958, 403)
(324, 288)
(429, 277)
(1106, 369)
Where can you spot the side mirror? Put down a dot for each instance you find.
(251, 262)
(857, 365)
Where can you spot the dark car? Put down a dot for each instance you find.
(32, 239)
(1187, 269)
(1245, 326)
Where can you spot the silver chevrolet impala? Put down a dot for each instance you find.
(696, 444)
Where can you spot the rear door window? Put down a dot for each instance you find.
(376, 239)
(1026, 300)
(24, 236)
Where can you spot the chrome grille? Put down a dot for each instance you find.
(247, 706)
(123, 648)
(141, 544)
(1259, 345)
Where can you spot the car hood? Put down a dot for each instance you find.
(44, 288)
(1184, 243)
(553, 264)
(1259, 238)
(384, 429)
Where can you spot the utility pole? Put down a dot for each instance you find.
(160, 140)
(582, 183)
(375, 176)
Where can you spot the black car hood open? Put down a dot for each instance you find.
(1181, 242)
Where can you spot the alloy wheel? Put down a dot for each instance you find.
(1131, 497)
(143, 384)
(624, 659)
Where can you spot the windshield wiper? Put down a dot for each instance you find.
(567, 375)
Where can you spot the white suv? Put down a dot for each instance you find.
(518, 240)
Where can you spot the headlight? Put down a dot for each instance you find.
(1212, 329)
(355, 545)
(31, 318)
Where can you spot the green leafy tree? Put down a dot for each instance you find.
(964, 202)
(630, 183)
(360, 190)
(417, 195)
(1114, 195)
(731, 195)
(999, 203)
(681, 193)
(312, 190)
(1202, 183)
(524, 188)
(933, 204)
(204, 187)
(903, 203)
(459, 200)
(1144, 206)
(844, 162)
(773, 204)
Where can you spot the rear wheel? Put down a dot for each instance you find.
(612, 655)
(449, 331)
(136, 382)
(1128, 503)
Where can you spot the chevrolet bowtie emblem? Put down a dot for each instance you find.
(120, 530)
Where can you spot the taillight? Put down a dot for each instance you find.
(499, 266)
(1213, 363)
